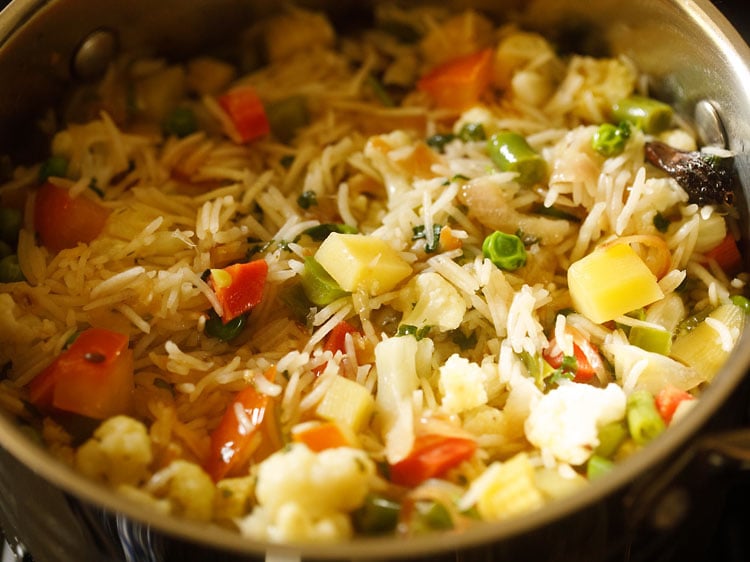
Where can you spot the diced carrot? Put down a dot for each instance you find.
(448, 241)
(668, 399)
(246, 111)
(727, 255)
(321, 436)
(460, 82)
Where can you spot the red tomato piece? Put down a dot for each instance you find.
(668, 399)
(431, 456)
(239, 287)
(460, 82)
(588, 359)
(246, 111)
(63, 221)
(237, 439)
(93, 377)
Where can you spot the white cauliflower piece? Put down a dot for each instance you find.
(118, 453)
(461, 384)
(188, 489)
(565, 423)
(307, 496)
(430, 300)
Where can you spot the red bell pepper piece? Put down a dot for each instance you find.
(336, 341)
(62, 221)
(246, 111)
(431, 456)
(239, 287)
(252, 434)
(460, 82)
(93, 377)
(668, 399)
(588, 359)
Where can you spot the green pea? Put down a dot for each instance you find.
(54, 167)
(506, 251)
(180, 122)
(610, 140)
(10, 270)
(10, 225)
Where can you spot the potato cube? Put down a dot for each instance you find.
(360, 262)
(346, 402)
(610, 282)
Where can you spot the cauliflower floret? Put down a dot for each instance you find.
(429, 300)
(233, 497)
(118, 453)
(187, 487)
(461, 384)
(307, 496)
(565, 422)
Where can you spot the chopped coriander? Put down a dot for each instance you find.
(410, 330)
(321, 231)
(418, 233)
(661, 223)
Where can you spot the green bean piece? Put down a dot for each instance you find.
(53, 167)
(506, 251)
(286, 116)
(225, 332)
(296, 301)
(648, 114)
(431, 516)
(10, 225)
(318, 285)
(644, 421)
(651, 338)
(598, 466)
(610, 140)
(611, 436)
(742, 302)
(511, 153)
(10, 270)
(180, 122)
(376, 516)
(472, 132)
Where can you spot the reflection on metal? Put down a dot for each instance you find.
(94, 54)
(708, 124)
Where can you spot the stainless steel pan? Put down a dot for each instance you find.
(693, 58)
